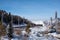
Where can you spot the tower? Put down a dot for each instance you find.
(56, 15)
(51, 20)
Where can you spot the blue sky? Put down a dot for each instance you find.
(32, 9)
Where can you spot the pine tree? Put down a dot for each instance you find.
(10, 30)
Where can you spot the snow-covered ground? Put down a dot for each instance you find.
(35, 34)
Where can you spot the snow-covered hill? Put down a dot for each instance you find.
(39, 22)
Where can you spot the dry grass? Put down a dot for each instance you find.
(2, 30)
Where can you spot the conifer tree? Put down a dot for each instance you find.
(10, 30)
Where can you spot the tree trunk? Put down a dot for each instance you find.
(0, 37)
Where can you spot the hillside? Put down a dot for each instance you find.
(6, 18)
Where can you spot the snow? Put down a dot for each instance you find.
(21, 25)
(34, 37)
(23, 32)
(39, 28)
(54, 34)
(35, 34)
(38, 22)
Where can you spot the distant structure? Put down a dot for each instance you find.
(51, 21)
(55, 23)
(56, 15)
